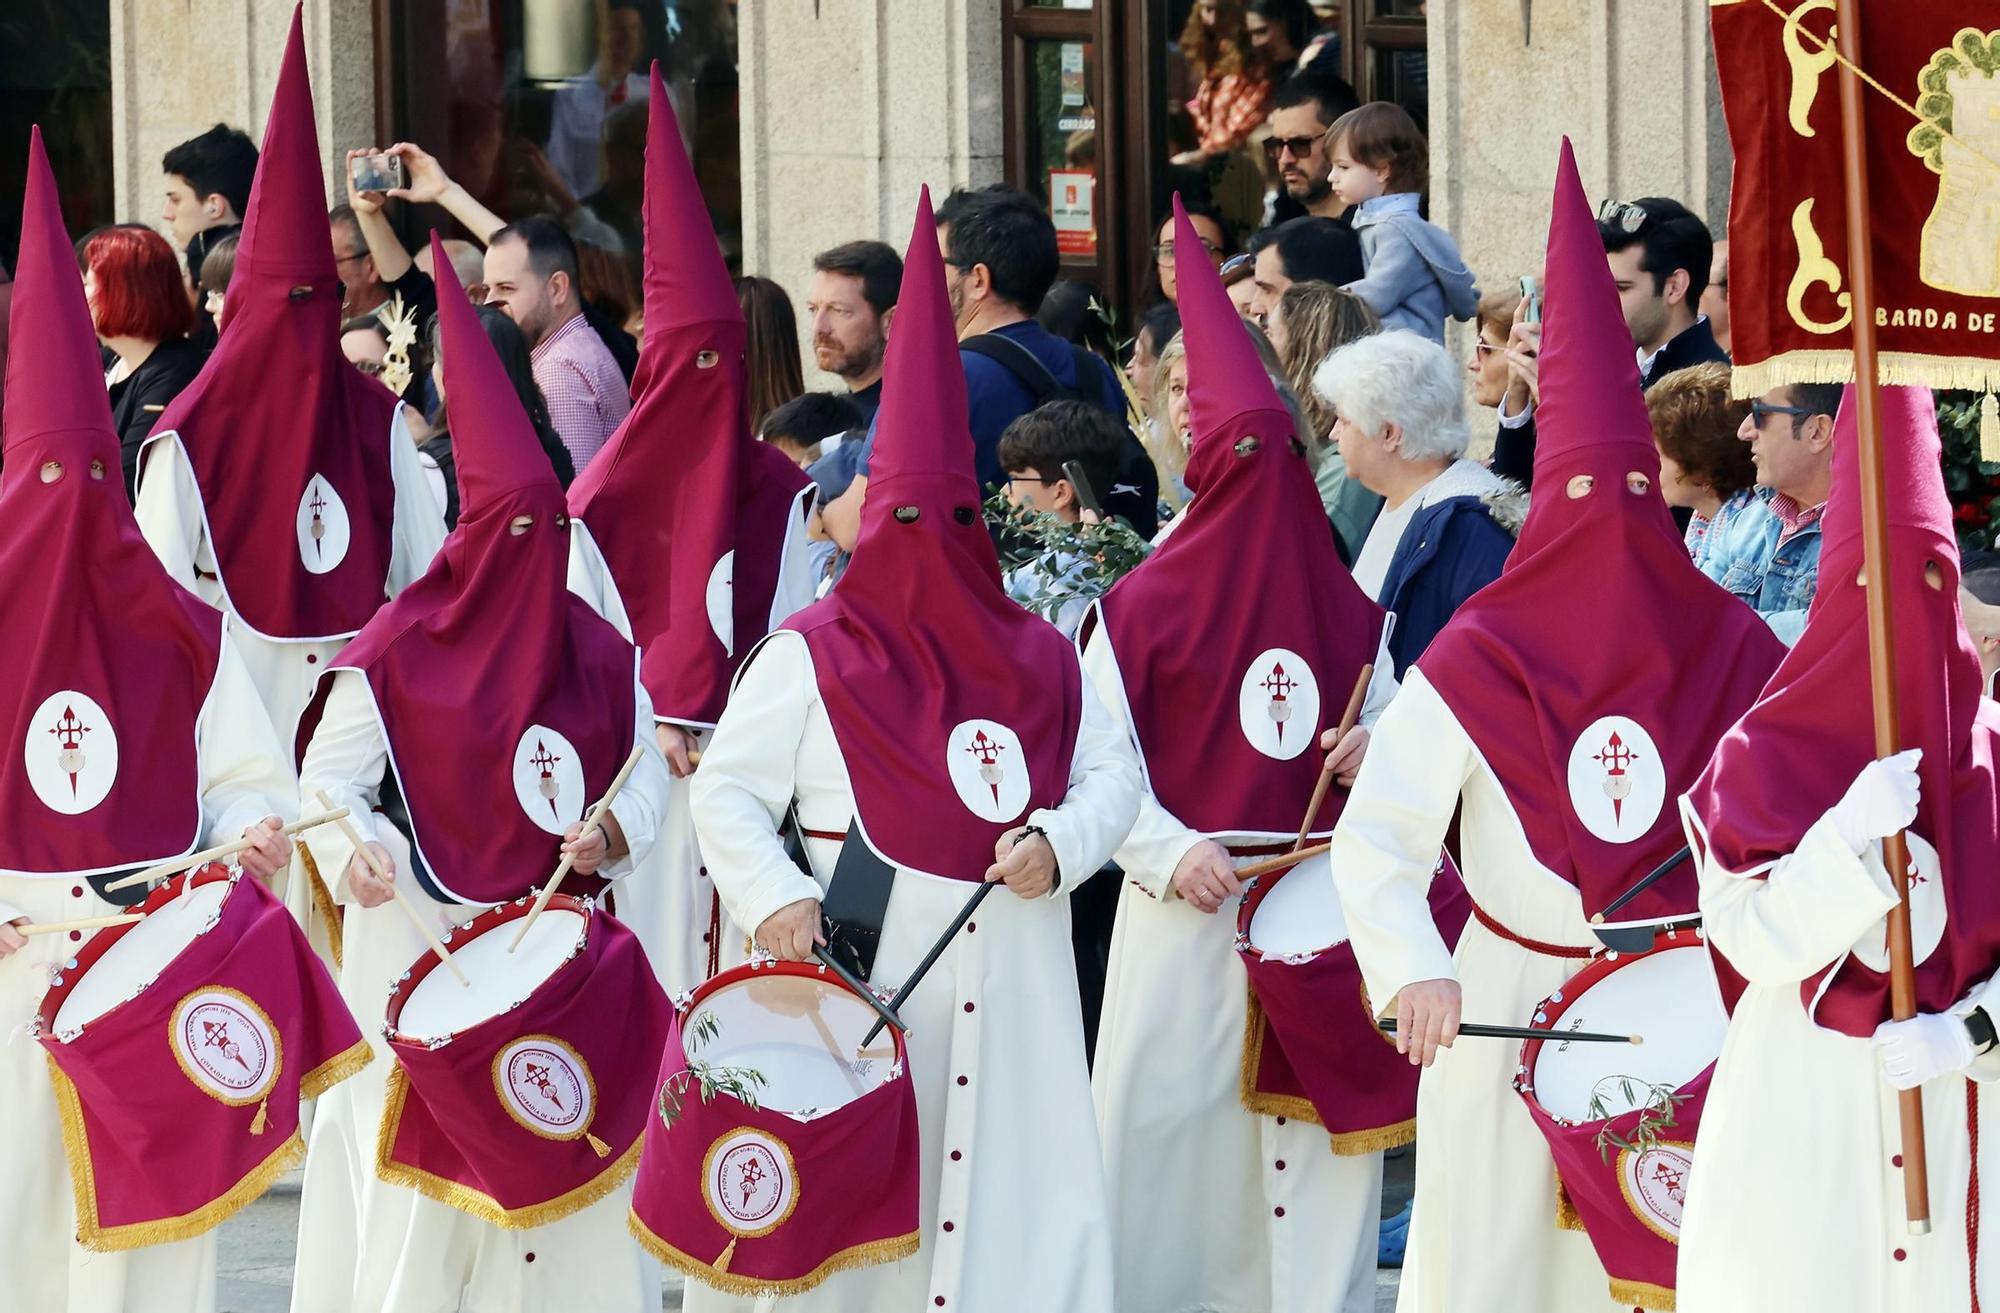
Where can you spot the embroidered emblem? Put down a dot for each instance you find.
(722, 601)
(1277, 704)
(1617, 780)
(225, 1044)
(548, 779)
(545, 1086)
(70, 752)
(750, 1182)
(1654, 1181)
(988, 769)
(323, 527)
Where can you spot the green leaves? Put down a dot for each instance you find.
(1655, 1114)
(1050, 562)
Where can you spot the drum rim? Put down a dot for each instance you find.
(100, 943)
(1246, 909)
(1551, 1009)
(485, 923)
(736, 975)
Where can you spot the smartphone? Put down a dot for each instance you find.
(1086, 496)
(1531, 299)
(377, 172)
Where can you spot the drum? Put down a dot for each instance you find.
(519, 1095)
(782, 1151)
(180, 1046)
(1620, 1119)
(1311, 1047)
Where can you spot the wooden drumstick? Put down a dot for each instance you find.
(1280, 862)
(86, 923)
(374, 865)
(591, 823)
(1347, 719)
(220, 851)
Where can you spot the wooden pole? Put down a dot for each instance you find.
(374, 866)
(590, 824)
(1875, 554)
(1347, 719)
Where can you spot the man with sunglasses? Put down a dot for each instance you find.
(1790, 432)
(1305, 105)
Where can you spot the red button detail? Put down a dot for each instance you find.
(1278, 1212)
(76, 891)
(1281, 1164)
(530, 1255)
(956, 1155)
(1281, 1121)
(948, 1226)
(75, 935)
(704, 936)
(961, 1080)
(971, 926)
(1899, 1255)
(939, 1301)
(968, 1007)
(1897, 1161)
(312, 660)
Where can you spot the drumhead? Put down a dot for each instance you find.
(799, 1032)
(1301, 912)
(1670, 999)
(138, 956)
(439, 1005)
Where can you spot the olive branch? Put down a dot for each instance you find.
(1656, 1114)
(1058, 561)
(710, 1079)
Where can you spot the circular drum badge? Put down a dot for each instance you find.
(225, 1044)
(750, 1182)
(1654, 1181)
(545, 1085)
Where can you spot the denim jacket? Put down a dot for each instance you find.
(1740, 551)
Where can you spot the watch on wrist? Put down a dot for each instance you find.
(1980, 1027)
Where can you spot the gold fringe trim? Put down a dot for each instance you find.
(1567, 1218)
(476, 1203)
(1355, 1144)
(335, 1070)
(1895, 368)
(1642, 1293)
(869, 1255)
(322, 901)
(1348, 1144)
(166, 1230)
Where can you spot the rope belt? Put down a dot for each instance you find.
(831, 836)
(1532, 945)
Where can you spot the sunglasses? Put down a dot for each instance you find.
(1763, 410)
(1622, 215)
(1300, 147)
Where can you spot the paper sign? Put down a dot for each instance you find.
(1072, 194)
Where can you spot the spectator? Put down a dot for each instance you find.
(426, 183)
(1513, 448)
(370, 258)
(1308, 250)
(365, 344)
(1305, 105)
(772, 346)
(208, 188)
(1660, 256)
(1170, 438)
(1034, 450)
(466, 262)
(511, 346)
(1979, 600)
(139, 306)
(1447, 523)
(1239, 280)
(850, 302)
(801, 426)
(577, 121)
(609, 303)
(216, 270)
(1790, 432)
(1208, 225)
(1232, 88)
(531, 275)
(1312, 321)
(1715, 297)
(1277, 33)
(1706, 468)
(1157, 327)
(1415, 275)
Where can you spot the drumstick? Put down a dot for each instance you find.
(220, 851)
(1646, 881)
(1347, 719)
(859, 986)
(1387, 1025)
(1281, 861)
(591, 822)
(374, 865)
(87, 923)
(930, 958)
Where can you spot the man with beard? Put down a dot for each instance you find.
(850, 301)
(1305, 106)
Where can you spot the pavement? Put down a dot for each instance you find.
(255, 1264)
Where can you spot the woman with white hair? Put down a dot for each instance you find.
(1447, 523)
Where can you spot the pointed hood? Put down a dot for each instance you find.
(1253, 569)
(691, 512)
(289, 444)
(491, 654)
(956, 711)
(108, 662)
(1792, 757)
(1600, 588)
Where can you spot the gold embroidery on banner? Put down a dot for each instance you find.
(1813, 268)
(1808, 67)
(477, 1203)
(1958, 99)
(730, 1283)
(264, 1086)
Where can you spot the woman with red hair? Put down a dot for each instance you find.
(139, 304)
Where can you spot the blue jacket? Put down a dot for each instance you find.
(1449, 551)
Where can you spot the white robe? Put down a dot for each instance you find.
(670, 903)
(245, 776)
(366, 1246)
(1168, 1088)
(1012, 1215)
(1796, 1197)
(175, 524)
(1484, 1237)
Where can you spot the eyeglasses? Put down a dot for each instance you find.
(1622, 215)
(1763, 410)
(1483, 349)
(1031, 478)
(1300, 147)
(1165, 250)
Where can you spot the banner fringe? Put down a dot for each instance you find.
(748, 1287)
(1894, 368)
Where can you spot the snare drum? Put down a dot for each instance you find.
(180, 1046)
(1624, 1187)
(1311, 1048)
(519, 1097)
(781, 1151)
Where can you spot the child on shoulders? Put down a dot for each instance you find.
(1415, 275)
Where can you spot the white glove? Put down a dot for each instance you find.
(1923, 1048)
(1881, 801)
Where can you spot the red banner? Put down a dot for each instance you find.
(1934, 190)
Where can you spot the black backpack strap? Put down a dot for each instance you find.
(1023, 365)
